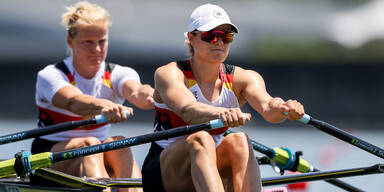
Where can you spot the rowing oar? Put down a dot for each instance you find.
(313, 176)
(26, 163)
(284, 159)
(98, 119)
(338, 133)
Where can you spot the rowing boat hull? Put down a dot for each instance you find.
(48, 180)
(17, 185)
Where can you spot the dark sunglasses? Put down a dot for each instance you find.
(213, 35)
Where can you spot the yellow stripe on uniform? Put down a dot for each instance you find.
(191, 83)
(107, 82)
(228, 86)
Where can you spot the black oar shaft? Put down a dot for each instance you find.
(313, 176)
(341, 184)
(44, 131)
(128, 142)
(98, 119)
(338, 133)
(263, 149)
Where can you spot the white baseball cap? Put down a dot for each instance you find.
(206, 17)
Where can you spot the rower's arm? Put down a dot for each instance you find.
(53, 87)
(252, 89)
(140, 95)
(72, 99)
(169, 85)
(126, 82)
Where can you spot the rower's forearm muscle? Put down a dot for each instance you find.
(272, 112)
(197, 112)
(139, 95)
(86, 105)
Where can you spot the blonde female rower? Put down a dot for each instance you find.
(84, 85)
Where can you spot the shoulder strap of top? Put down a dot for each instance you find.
(226, 75)
(228, 69)
(62, 67)
(106, 78)
(109, 67)
(185, 67)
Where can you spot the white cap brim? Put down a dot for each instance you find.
(211, 26)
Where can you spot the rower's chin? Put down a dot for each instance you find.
(219, 58)
(95, 61)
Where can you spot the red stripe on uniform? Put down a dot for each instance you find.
(225, 76)
(189, 74)
(176, 121)
(107, 75)
(167, 114)
(57, 117)
(71, 78)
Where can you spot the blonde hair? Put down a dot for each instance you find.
(83, 14)
(191, 51)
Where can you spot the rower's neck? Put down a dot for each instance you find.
(205, 72)
(87, 72)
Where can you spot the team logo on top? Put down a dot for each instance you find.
(195, 94)
(218, 14)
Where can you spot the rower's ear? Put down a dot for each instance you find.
(69, 41)
(190, 36)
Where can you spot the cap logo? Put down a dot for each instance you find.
(218, 14)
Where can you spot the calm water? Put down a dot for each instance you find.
(321, 150)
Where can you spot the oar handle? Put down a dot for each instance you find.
(304, 119)
(218, 123)
(102, 119)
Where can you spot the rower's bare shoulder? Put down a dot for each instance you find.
(246, 75)
(168, 74)
(168, 70)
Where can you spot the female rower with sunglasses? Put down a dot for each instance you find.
(200, 89)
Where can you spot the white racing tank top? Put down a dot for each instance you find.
(166, 119)
(106, 84)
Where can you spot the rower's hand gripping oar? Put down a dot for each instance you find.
(28, 162)
(338, 133)
(98, 119)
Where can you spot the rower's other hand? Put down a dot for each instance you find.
(233, 117)
(150, 100)
(116, 113)
(293, 109)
